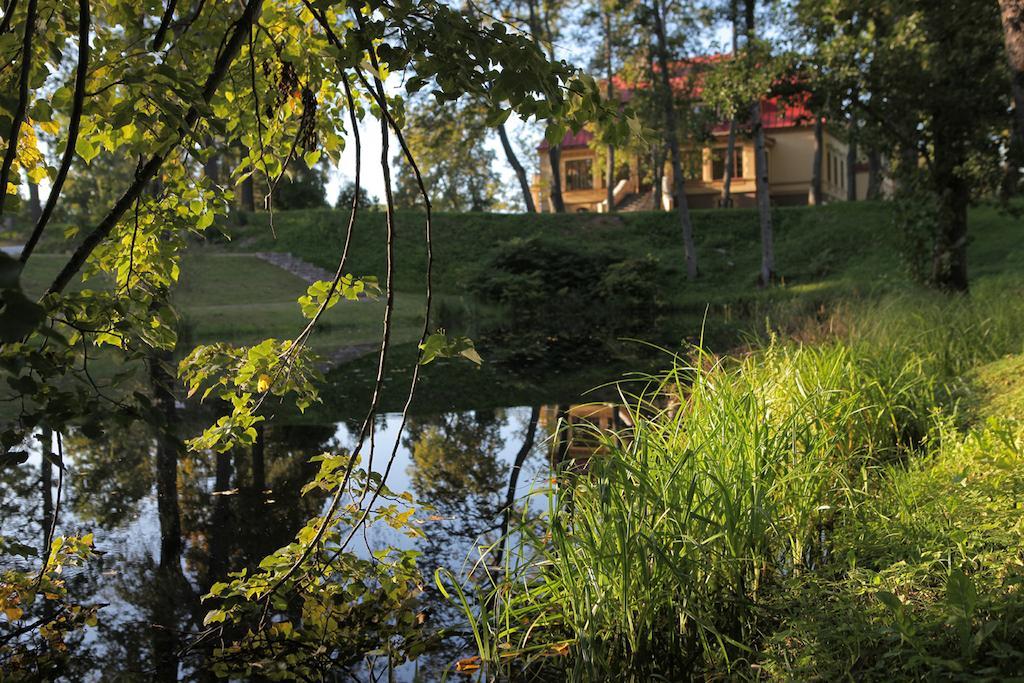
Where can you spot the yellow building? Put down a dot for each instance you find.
(790, 145)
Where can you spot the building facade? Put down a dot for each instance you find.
(789, 142)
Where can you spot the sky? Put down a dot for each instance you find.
(577, 49)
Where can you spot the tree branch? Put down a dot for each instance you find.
(223, 61)
(165, 22)
(77, 105)
(19, 112)
(5, 23)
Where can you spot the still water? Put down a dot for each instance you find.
(234, 508)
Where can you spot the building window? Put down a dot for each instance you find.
(693, 164)
(718, 163)
(828, 166)
(579, 174)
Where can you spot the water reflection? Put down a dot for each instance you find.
(169, 523)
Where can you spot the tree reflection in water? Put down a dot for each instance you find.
(171, 522)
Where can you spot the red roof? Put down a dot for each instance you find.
(776, 113)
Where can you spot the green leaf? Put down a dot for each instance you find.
(86, 149)
(438, 345)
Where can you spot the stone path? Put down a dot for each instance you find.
(12, 250)
(296, 266)
(305, 270)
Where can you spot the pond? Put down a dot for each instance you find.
(168, 530)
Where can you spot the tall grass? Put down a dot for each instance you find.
(650, 562)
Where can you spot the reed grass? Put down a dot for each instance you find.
(662, 558)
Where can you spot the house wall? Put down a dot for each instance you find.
(833, 170)
(790, 162)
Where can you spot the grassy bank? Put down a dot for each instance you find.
(225, 296)
(836, 248)
(842, 507)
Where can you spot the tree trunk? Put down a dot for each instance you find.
(259, 476)
(678, 182)
(764, 207)
(1010, 186)
(1012, 12)
(610, 92)
(211, 167)
(513, 161)
(730, 156)
(35, 207)
(874, 174)
(851, 164)
(819, 151)
(166, 460)
(610, 161)
(658, 161)
(730, 144)
(248, 195)
(513, 482)
(46, 484)
(555, 159)
(220, 519)
(949, 258)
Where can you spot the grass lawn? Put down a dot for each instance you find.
(242, 298)
(824, 251)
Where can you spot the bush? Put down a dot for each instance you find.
(528, 271)
(633, 282)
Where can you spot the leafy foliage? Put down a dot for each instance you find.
(328, 609)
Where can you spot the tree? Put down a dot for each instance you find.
(931, 78)
(349, 192)
(302, 187)
(735, 89)
(284, 82)
(517, 168)
(764, 209)
(448, 140)
(664, 65)
(1012, 15)
(541, 20)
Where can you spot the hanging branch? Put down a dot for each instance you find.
(387, 121)
(300, 340)
(5, 23)
(367, 425)
(222, 62)
(165, 22)
(56, 506)
(378, 94)
(407, 153)
(77, 104)
(19, 112)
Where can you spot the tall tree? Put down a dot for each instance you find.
(1012, 14)
(764, 208)
(664, 66)
(851, 158)
(448, 139)
(816, 160)
(932, 80)
(517, 167)
(730, 142)
(606, 12)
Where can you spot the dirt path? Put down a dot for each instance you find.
(296, 266)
